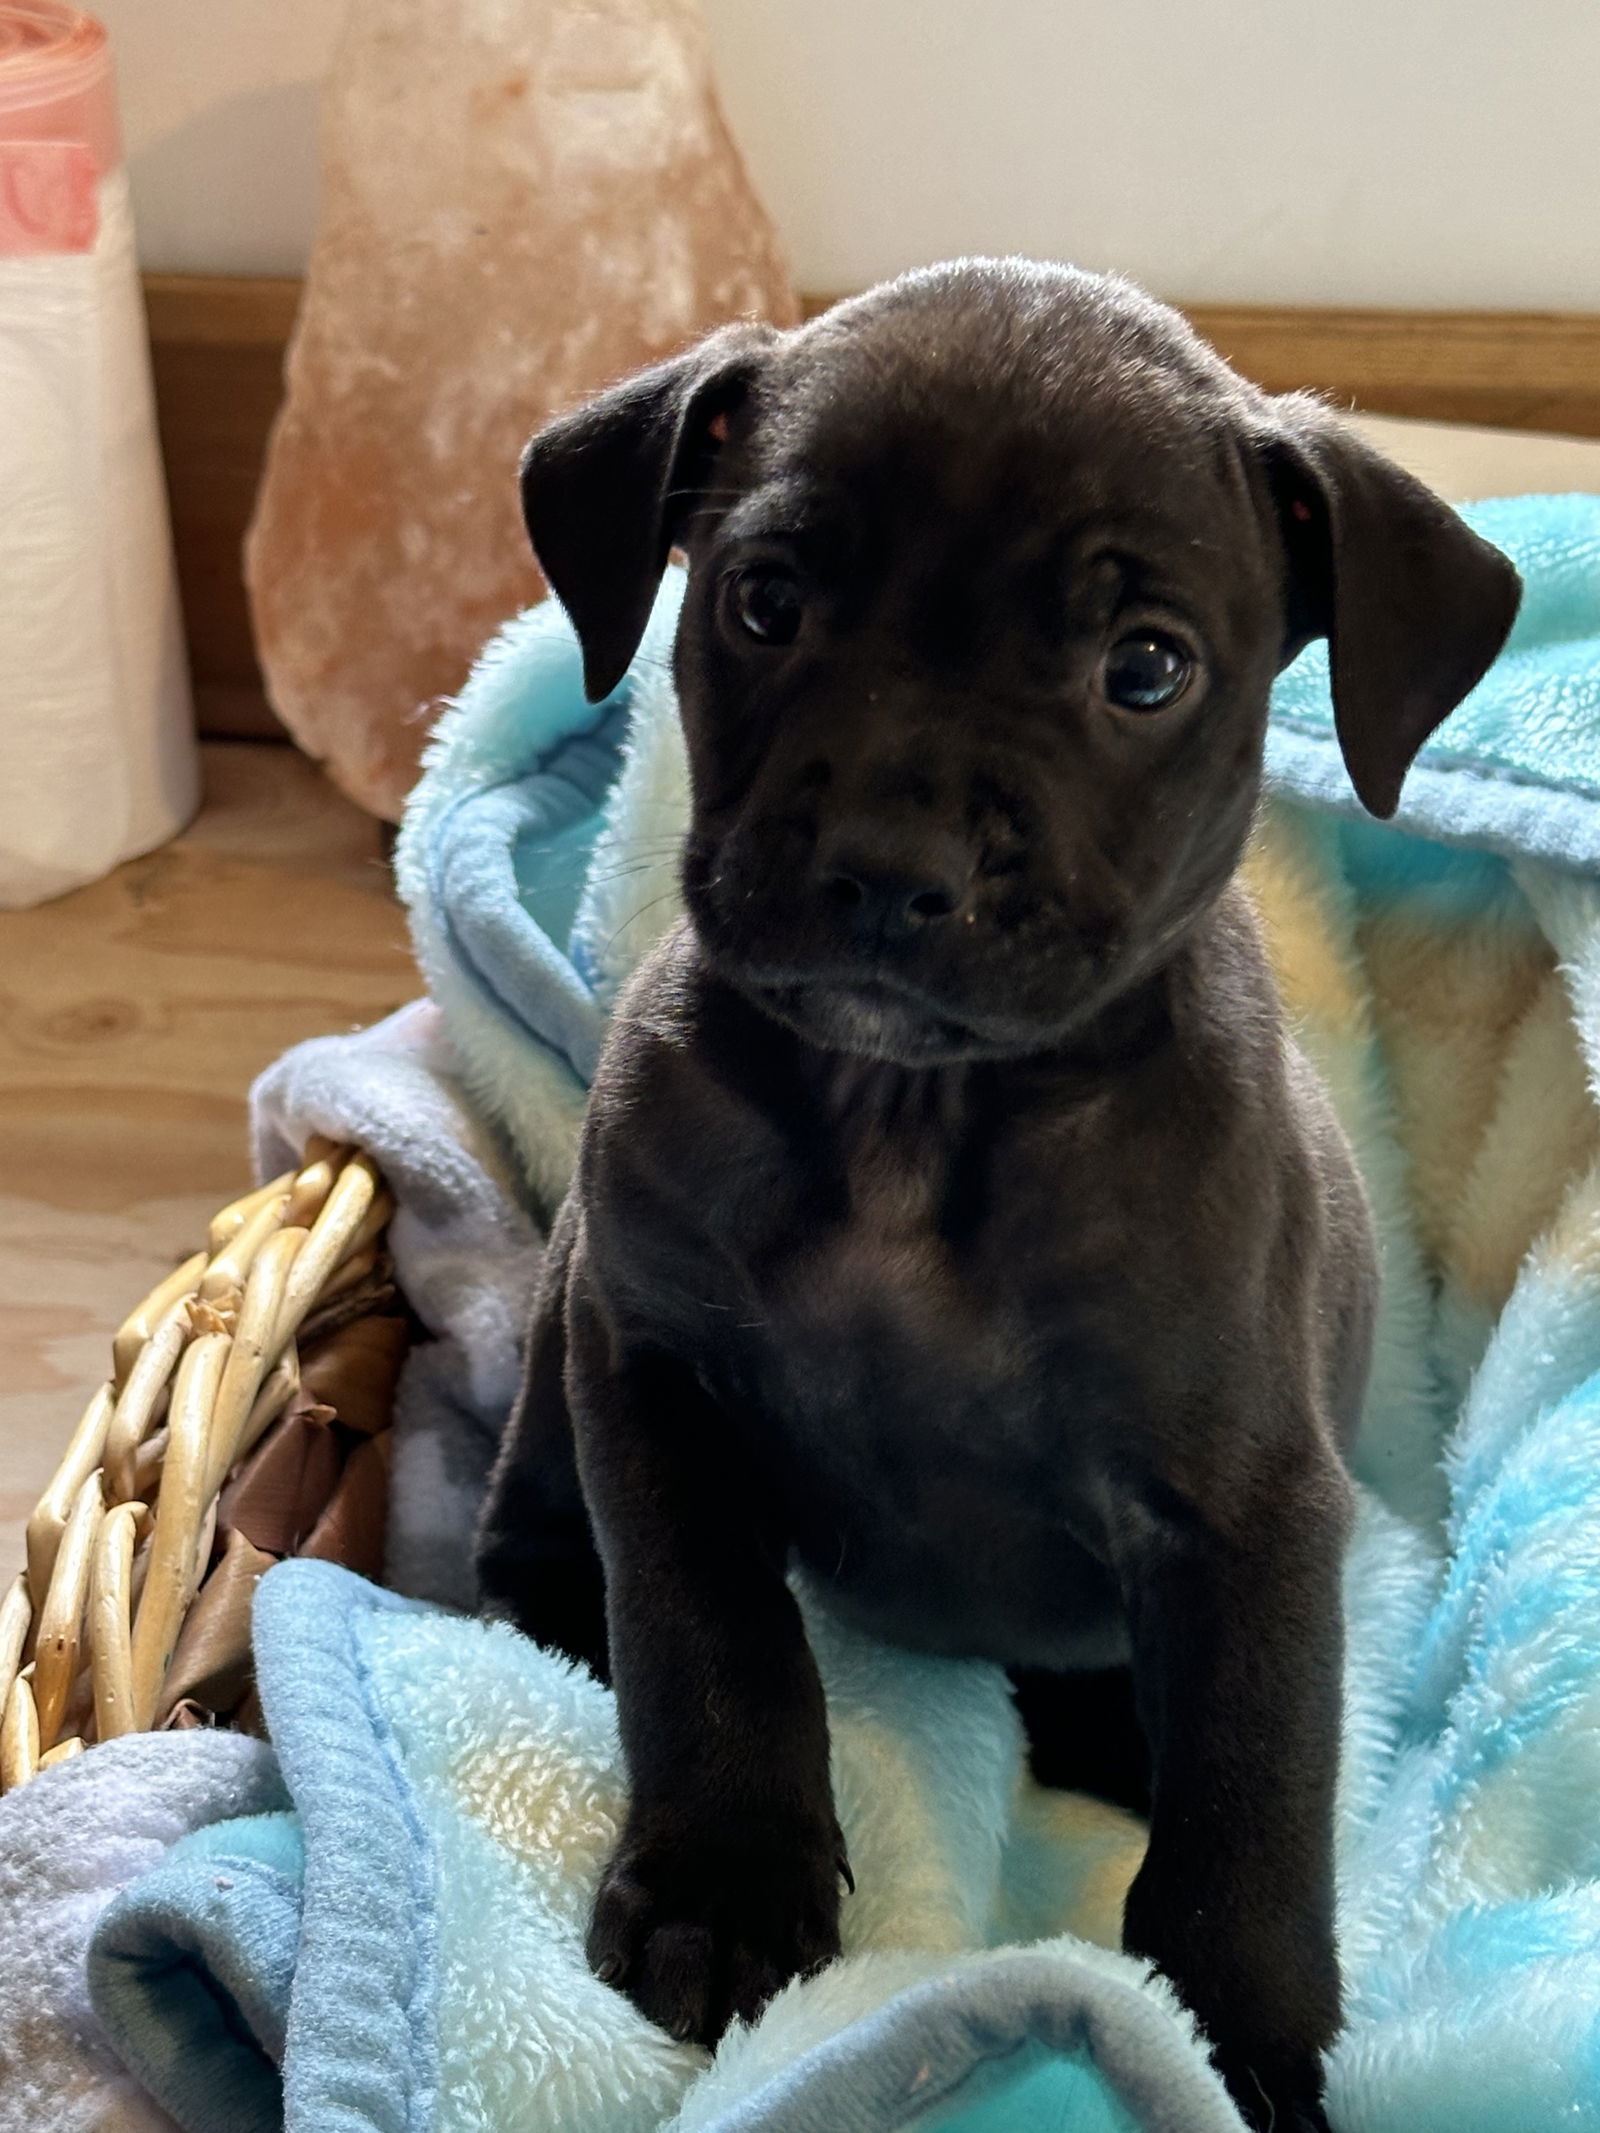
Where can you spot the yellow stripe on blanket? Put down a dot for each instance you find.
(1542, 1134)
(1287, 874)
(1449, 993)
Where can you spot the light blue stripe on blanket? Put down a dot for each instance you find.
(195, 1965)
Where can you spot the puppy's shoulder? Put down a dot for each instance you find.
(683, 1048)
(661, 1006)
(655, 1037)
(1225, 999)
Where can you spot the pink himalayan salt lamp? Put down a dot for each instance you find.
(521, 203)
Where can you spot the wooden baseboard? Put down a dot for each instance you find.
(1507, 369)
(216, 345)
(218, 342)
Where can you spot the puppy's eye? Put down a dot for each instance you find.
(1146, 672)
(766, 604)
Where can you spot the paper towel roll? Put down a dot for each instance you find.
(97, 755)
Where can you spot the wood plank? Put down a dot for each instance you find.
(157, 994)
(1508, 370)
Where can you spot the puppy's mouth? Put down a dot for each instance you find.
(867, 1017)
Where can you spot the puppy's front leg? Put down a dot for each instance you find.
(1237, 1634)
(726, 1882)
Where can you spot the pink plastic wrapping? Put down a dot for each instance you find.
(58, 127)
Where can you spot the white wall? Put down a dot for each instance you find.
(1306, 151)
(219, 121)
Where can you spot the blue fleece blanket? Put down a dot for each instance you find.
(455, 1790)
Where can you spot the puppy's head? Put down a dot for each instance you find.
(990, 574)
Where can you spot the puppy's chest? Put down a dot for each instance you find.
(886, 1296)
(886, 1270)
(921, 1267)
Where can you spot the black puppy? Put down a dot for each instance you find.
(955, 1217)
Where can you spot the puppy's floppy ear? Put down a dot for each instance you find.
(1413, 604)
(604, 488)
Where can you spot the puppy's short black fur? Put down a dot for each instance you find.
(955, 1217)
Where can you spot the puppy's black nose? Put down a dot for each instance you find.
(889, 883)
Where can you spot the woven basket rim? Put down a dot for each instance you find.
(120, 1541)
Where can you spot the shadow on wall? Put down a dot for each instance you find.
(239, 181)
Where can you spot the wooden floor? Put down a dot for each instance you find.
(133, 1016)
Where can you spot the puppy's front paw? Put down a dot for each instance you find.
(700, 1926)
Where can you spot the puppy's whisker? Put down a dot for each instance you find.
(634, 917)
(621, 873)
(624, 850)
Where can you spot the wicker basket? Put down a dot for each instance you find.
(206, 1369)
